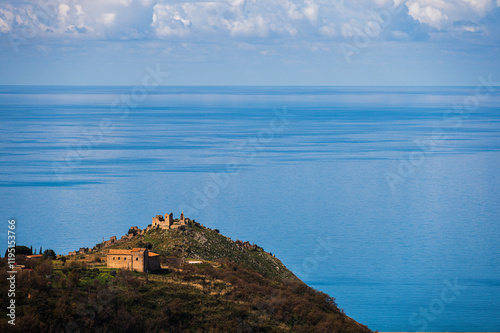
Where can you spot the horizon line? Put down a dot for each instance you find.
(239, 85)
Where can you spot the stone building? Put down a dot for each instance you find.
(168, 221)
(137, 259)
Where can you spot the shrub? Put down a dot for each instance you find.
(49, 254)
(21, 249)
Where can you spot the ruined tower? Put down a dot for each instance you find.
(169, 219)
(167, 222)
(157, 221)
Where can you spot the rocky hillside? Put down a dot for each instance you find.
(195, 241)
(238, 287)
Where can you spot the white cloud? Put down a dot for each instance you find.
(168, 21)
(79, 10)
(231, 17)
(4, 26)
(294, 13)
(472, 28)
(311, 10)
(444, 13)
(63, 10)
(328, 30)
(6, 19)
(85, 18)
(349, 29)
(252, 26)
(427, 14)
(121, 2)
(259, 18)
(480, 6)
(108, 18)
(298, 19)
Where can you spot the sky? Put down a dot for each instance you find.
(250, 42)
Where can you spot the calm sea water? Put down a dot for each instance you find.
(348, 186)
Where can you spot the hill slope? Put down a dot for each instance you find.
(238, 288)
(195, 241)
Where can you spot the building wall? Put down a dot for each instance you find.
(157, 220)
(138, 259)
(119, 261)
(169, 219)
(153, 263)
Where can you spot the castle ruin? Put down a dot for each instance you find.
(168, 222)
(162, 222)
(138, 259)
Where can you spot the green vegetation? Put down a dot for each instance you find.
(238, 288)
(198, 242)
(20, 249)
(49, 253)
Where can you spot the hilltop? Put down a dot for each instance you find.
(234, 286)
(194, 241)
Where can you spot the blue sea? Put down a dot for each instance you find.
(386, 198)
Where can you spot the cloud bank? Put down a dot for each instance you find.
(444, 13)
(234, 19)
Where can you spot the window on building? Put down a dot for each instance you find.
(113, 258)
(118, 258)
(136, 259)
(124, 258)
